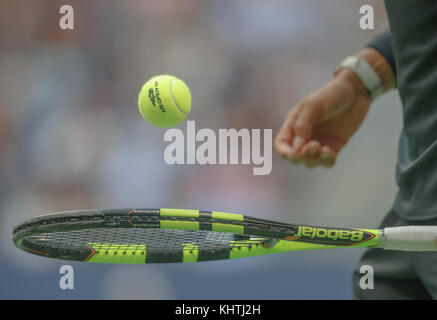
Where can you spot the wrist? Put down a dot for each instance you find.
(380, 65)
(350, 78)
(365, 72)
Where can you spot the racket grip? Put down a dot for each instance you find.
(410, 238)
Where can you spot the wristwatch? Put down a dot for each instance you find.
(365, 72)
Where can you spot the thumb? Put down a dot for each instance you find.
(304, 125)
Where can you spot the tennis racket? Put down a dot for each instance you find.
(136, 236)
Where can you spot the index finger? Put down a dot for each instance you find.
(284, 137)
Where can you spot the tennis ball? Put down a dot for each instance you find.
(164, 101)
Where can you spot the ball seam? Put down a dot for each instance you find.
(174, 100)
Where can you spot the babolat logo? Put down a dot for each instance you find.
(330, 234)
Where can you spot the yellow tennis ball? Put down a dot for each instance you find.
(164, 101)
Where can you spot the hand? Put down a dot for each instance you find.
(321, 124)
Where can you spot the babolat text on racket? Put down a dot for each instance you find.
(136, 236)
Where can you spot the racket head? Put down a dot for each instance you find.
(137, 236)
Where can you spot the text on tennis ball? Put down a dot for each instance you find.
(155, 97)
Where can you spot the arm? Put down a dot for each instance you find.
(319, 126)
(379, 54)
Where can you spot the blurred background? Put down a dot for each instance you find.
(71, 136)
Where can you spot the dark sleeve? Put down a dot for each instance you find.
(382, 43)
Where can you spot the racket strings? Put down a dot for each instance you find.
(123, 239)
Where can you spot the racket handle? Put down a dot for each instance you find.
(410, 238)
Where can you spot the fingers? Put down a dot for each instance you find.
(304, 124)
(327, 156)
(296, 129)
(294, 139)
(284, 138)
(313, 154)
